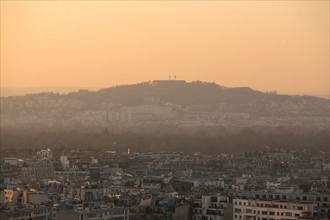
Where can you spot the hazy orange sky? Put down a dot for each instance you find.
(266, 45)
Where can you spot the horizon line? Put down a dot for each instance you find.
(56, 89)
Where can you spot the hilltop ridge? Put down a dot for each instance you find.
(174, 102)
(171, 89)
(166, 115)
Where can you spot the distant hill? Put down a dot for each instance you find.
(166, 101)
(176, 92)
(166, 115)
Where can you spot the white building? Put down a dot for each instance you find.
(209, 207)
(287, 194)
(45, 154)
(37, 170)
(65, 162)
(270, 209)
(216, 182)
(11, 160)
(152, 183)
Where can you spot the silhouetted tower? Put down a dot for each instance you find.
(169, 77)
(175, 77)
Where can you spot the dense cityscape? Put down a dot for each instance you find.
(90, 184)
(144, 152)
(164, 110)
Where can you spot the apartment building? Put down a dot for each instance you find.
(104, 212)
(258, 209)
(32, 213)
(37, 170)
(322, 200)
(209, 207)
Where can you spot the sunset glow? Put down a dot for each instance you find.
(264, 45)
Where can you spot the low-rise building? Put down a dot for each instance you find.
(209, 207)
(104, 212)
(257, 209)
(39, 212)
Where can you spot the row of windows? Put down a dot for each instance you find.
(200, 217)
(263, 196)
(288, 214)
(254, 218)
(272, 205)
(263, 205)
(265, 212)
(9, 192)
(305, 198)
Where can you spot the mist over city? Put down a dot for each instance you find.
(164, 110)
